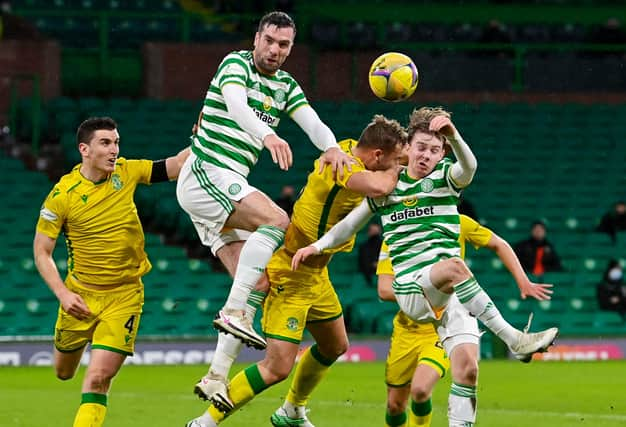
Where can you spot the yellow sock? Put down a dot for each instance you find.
(242, 389)
(92, 409)
(421, 414)
(311, 368)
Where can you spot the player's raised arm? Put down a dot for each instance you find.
(464, 168)
(236, 101)
(323, 138)
(338, 234)
(539, 291)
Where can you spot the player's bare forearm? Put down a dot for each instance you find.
(174, 164)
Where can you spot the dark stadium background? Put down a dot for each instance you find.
(540, 97)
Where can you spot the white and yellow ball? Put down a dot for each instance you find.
(393, 77)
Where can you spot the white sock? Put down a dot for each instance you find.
(462, 405)
(227, 350)
(255, 301)
(478, 303)
(207, 420)
(294, 411)
(255, 254)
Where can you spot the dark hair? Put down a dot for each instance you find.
(383, 133)
(538, 222)
(280, 19)
(88, 127)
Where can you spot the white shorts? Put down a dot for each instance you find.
(206, 193)
(453, 322)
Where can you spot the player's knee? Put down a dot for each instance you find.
(334, 351)
(457, 270)
(396, 406)
(420, 392)
(99, 381)
(277, 372)
(280, 220)
(65, 374)
(468, 374)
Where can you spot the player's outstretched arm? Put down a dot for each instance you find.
(337, 235)
(323, 138)
(385, 287)
(72, 303)
(539, 291)
(465, 166)
(374, 183)
(173, 164)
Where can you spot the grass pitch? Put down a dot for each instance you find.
(551, 394)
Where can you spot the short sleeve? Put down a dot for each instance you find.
(53, 213)
(232, 70)
(384, 261)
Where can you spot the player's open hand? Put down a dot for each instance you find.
(337, 160)
(539, 291)
(301, 255)
(74, 305)
(280, 151)
(443, 125)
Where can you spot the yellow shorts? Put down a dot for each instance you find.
(297, 298)
(114, 322)
(412, 344)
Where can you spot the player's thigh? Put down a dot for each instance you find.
(66, 363)
(424, 380)
(464, 363)
(257, 209)
(404, 351)
(119, 320)
(104, 364)
(280, 356)
(397, 398)
(331, 336)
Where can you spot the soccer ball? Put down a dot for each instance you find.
(393, 77)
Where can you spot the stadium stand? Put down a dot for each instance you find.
(518, 181)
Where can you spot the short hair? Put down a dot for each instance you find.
(419, 121)
(88, 127)
(382, 133)
(280, 19)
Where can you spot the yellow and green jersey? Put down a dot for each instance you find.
(324, 202)
(104, 237)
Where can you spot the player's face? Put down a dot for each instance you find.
(425, 151)
(101, 153)
(271, 47)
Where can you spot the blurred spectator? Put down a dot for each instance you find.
(536, 254)
(611, 292)
(286, 199)
(466, 208)
(496, 32)
(13, 27)
(611, 32)
(613, 221)
(368, 252)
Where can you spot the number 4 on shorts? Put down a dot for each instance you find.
(130, 324)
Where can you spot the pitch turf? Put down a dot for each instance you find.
(510, 395)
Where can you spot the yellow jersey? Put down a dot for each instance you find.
(323, 202)
(471, 231)
(104, 237)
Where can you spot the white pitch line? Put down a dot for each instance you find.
(348, 403)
